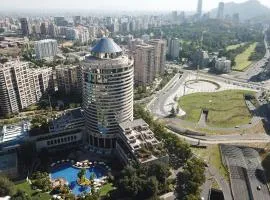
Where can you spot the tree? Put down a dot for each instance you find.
(70, 196)
(20, 195)
(160, 170)
(190, 179)
(173, 112)
(7, 187)
(177, 110)
(81, 174)
(42, 181)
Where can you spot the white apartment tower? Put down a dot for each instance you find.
(107, 93)
(174, 48)
(45, 48)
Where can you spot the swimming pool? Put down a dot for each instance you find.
(69, 173)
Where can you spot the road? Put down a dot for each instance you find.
(257, 67)
(224, 139)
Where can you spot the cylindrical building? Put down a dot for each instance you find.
(107, 92)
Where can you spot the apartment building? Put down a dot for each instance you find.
(144, 62)
(68, 78)
(45, 48)
(22, 86)
(160, 55)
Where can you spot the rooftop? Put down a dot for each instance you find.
(46, 40)
(141, 140)
(106, 45)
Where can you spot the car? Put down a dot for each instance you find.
(237, 126)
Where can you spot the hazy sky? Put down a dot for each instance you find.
(153, 5)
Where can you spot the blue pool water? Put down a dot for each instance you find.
(69, 173)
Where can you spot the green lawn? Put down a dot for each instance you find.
(242, 61)
(234, 46)
(35, 195)
(226, 108)
(212, 156)
(106, 188)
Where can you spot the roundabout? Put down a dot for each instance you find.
(221, 121)
(202, 83)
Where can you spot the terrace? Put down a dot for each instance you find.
(141, 141)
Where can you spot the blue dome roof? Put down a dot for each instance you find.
(106, 45)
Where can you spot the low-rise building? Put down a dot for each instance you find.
(13, 134)
(200, 59)
(222, 65)
(70, 119)
(59, 140)
(137, 142)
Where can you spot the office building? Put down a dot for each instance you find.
(52, 30)
(77, 20)
(71, 33)
(174, 16)
(173, 48)
(223, 66)
(25, 27)
(160, 55)
(60, 21)
(236, 18)
(199, 8)
(44, 28)
(144, 61)
(107, 93)
(68, 79)
(45, 48)
(220, 13)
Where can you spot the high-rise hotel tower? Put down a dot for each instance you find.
(107, 92)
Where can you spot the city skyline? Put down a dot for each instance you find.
(150, 5)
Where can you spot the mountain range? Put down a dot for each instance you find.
(247, 10)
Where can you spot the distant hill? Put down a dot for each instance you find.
(247, 10)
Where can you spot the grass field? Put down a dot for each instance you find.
(104, 190)
(35, 195)
(235, 46)
(242, 61)
(226, 108)
(213, 157)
